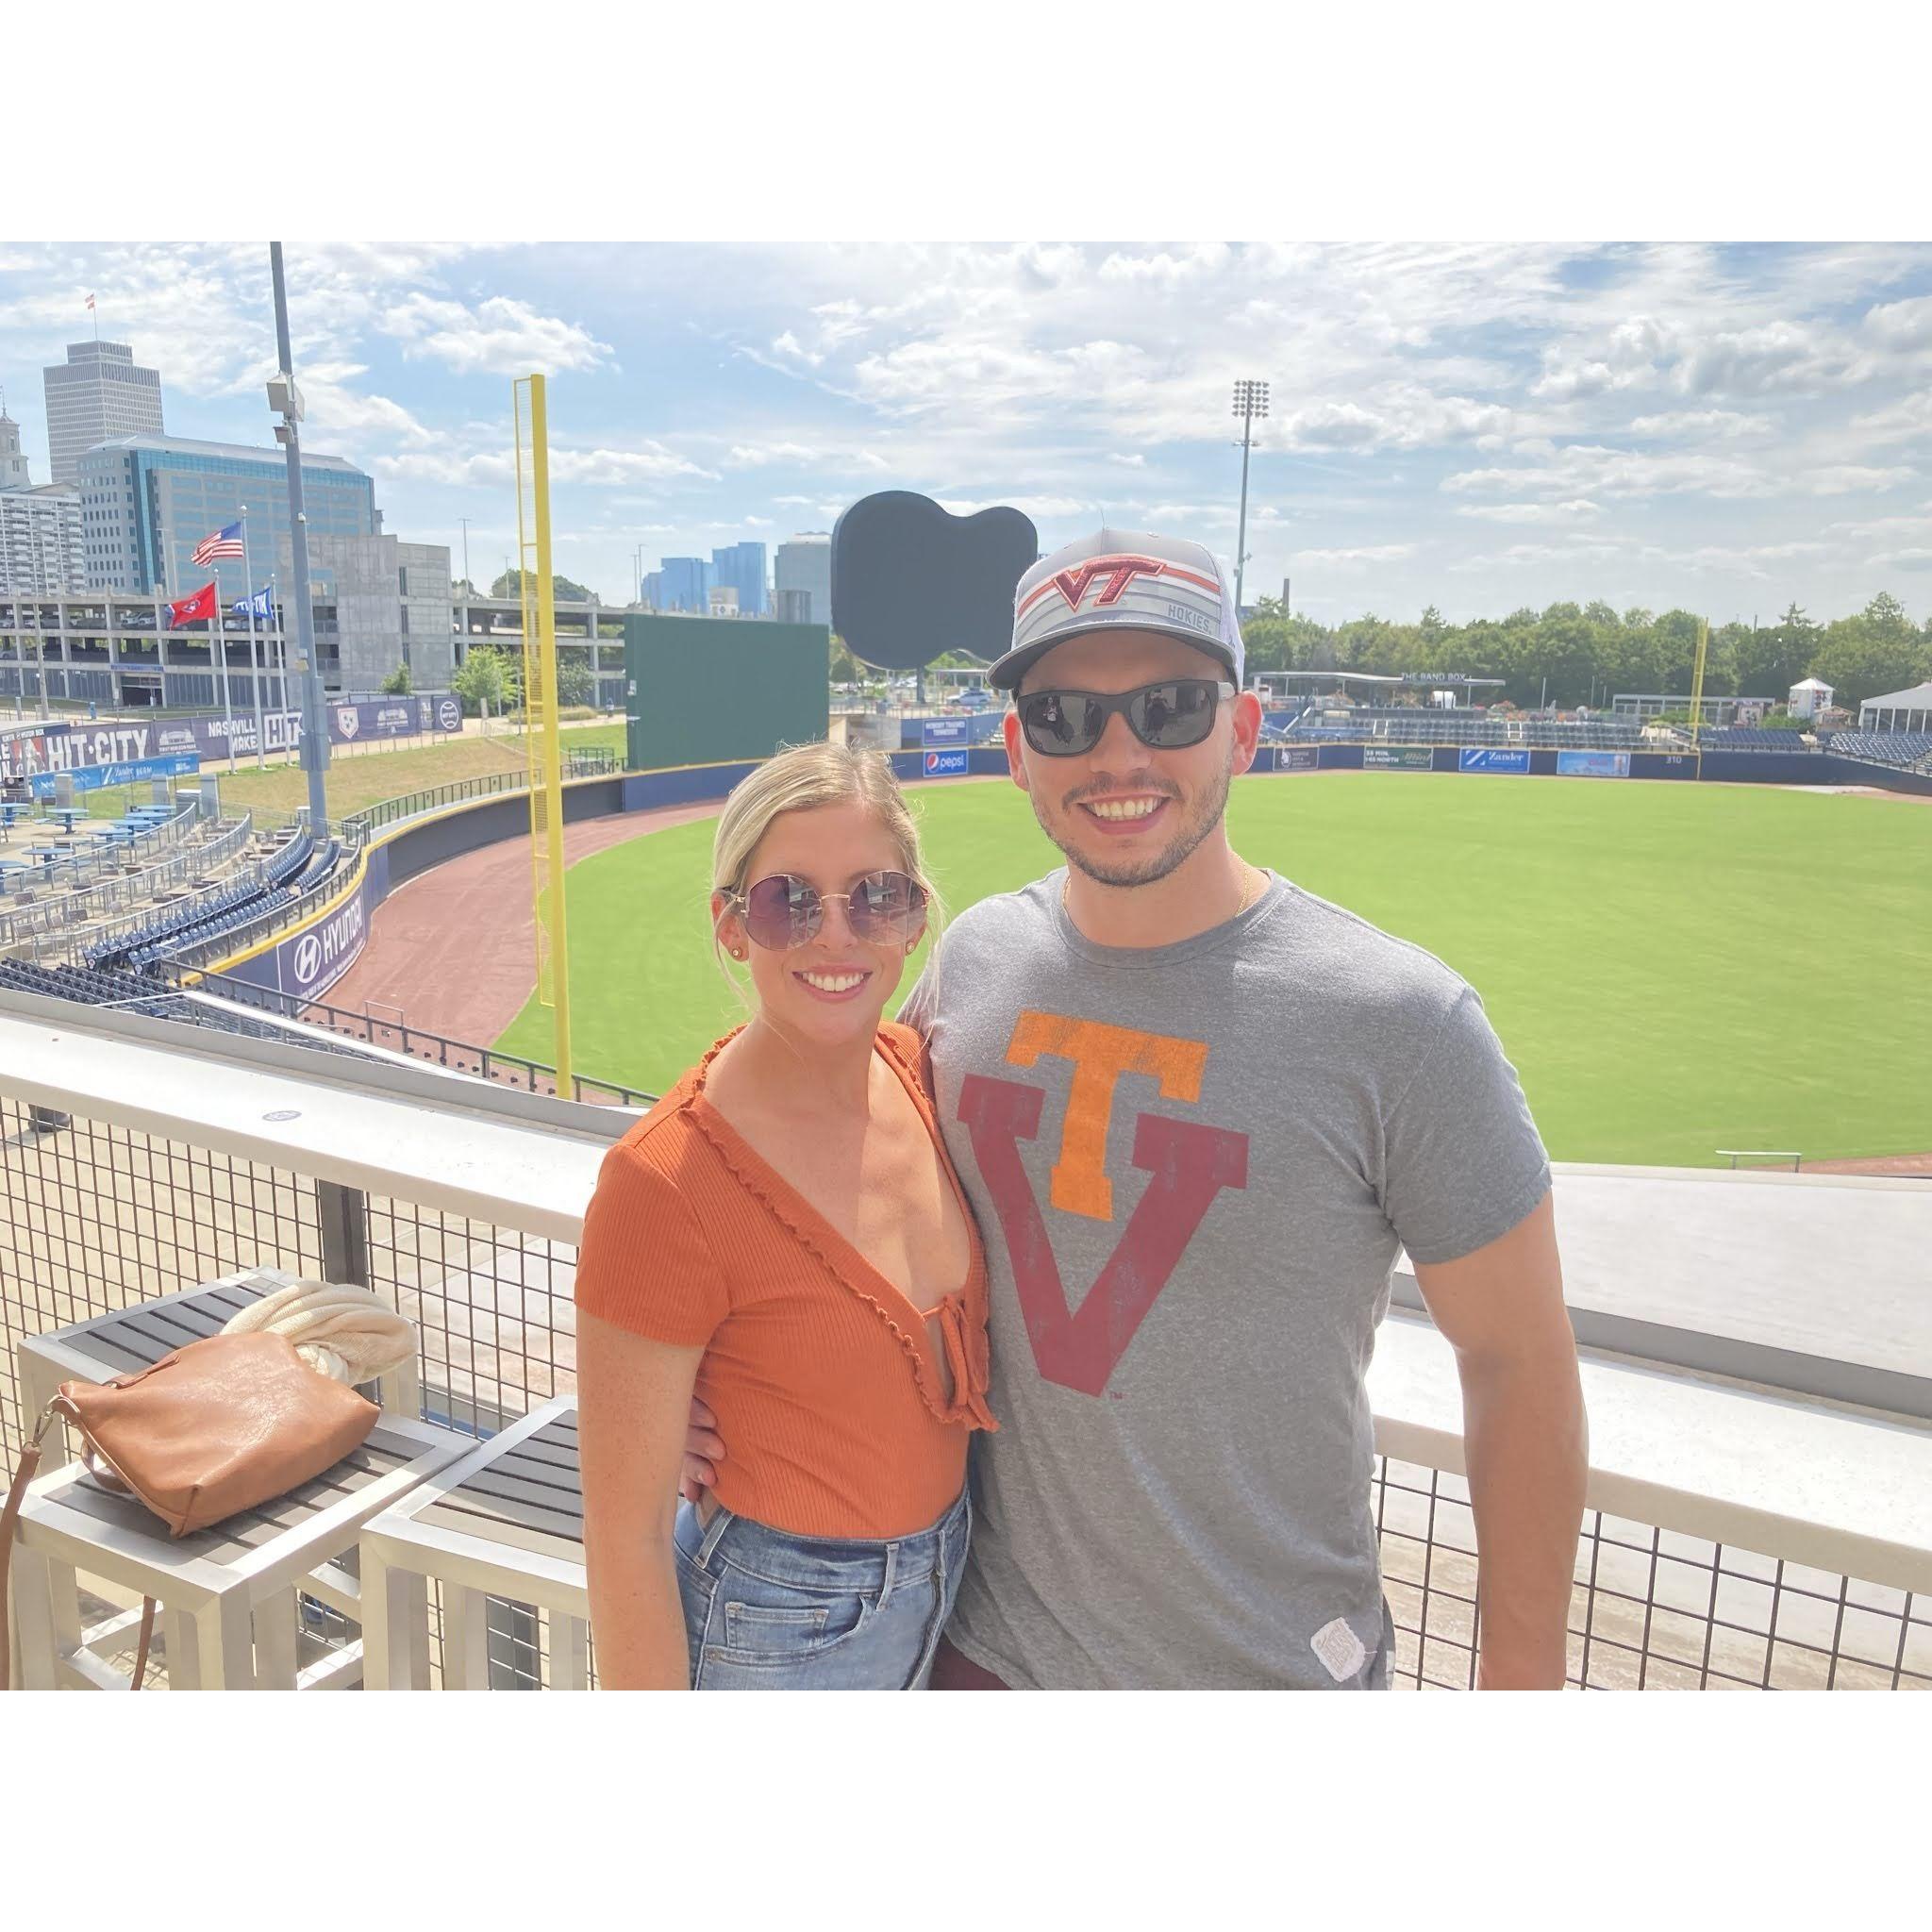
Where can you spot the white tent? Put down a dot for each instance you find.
(1898, 710)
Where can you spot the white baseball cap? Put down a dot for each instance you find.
(1124, 580)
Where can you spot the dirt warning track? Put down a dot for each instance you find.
(454, 948)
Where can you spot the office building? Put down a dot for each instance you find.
(96, 394)
(681, 583)
(146, 501)
(740, 567)
(380, 603)
(804, 579)
(39, 529)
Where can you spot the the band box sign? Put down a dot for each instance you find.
(1491, 759)
(1297, 757)
(1592, 764)
(945, 764)
(1397, 758)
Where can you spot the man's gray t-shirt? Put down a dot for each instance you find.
(1193, 1166)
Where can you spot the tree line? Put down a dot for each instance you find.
(1588, 652)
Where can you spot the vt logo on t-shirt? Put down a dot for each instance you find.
(1187, 1164)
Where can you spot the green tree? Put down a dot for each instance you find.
(576, 683)
(489, 676)
(397, 684)
(1877, 651)
(566, 590)
(842, 667)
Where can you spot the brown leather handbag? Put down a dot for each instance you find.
(214, 1429)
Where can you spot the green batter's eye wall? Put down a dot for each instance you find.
(701, 690)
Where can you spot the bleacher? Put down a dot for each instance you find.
(1749, 738)
(210, 916)
(1905, 750)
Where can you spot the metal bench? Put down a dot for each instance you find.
(227, 1594)
(119, 1343)
(507, 1521)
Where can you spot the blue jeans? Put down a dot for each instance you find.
(766, 1610)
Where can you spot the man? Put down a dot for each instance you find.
(1198, 1111)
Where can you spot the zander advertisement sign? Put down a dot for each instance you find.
(1491, 759)
(1397, 758)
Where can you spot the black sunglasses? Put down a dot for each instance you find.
(785, 910)
(1168, 716)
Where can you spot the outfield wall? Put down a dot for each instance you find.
(304, 961)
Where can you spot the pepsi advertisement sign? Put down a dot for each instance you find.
(945, 764)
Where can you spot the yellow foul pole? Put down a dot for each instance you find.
(544, 754)
(1697, 681)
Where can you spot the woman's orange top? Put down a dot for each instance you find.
(820, 1371)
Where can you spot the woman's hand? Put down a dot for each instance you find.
(704, 1449)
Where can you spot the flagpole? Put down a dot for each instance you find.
(218, 636)
(254, 663)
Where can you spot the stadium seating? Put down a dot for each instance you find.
(1904, 749)
(1747, 738)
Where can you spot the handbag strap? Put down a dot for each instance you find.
(9, 1516)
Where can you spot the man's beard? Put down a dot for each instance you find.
(1144, 872)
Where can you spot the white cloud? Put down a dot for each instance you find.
(501, 336)
(748, 456)
(652, 463)
(1370, 553)
(1574, 509)
(1136, 461)
(1694, 424)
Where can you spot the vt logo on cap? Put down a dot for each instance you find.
(1119, 572)
(1145, 583)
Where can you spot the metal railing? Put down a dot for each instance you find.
(412, 805)
(51, 923)
(97, 1216)
(418, 1043)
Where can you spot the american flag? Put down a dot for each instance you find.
(226, 543)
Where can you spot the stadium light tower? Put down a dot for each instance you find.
(1250, 401)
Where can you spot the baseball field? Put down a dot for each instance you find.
(1673, 968)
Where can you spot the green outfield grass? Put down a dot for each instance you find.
(1673, 968)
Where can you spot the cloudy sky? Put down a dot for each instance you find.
(1478, 426)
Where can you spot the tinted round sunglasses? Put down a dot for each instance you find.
(784, 911)
(1168, 716)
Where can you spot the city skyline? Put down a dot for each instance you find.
(1480, 426)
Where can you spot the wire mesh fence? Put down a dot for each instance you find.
(97, 1218)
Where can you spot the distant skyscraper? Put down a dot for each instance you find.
(96, 393)
(13, 473)
(805, 566)
(740, 567)
(39, 529)
(684, 583)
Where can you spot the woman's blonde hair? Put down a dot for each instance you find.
(797, 779)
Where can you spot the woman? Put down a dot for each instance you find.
(783, 1234)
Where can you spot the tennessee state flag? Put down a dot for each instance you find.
(201, 605)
